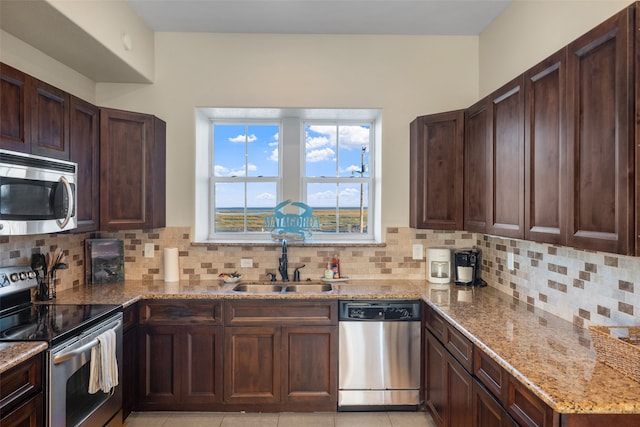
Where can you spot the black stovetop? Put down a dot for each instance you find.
(52, 323)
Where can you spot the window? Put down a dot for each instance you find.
(249, 161)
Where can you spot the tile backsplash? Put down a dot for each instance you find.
(579, 286)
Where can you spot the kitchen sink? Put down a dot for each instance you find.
(267, 288)
(313, 287)
(258, 288)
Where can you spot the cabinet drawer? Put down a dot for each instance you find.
(262, 312)
(435, 324)
(526, 408)
(20, 382)
(460, 347)
(180, 312)
(491, 375)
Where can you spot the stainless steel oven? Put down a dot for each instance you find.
(68, 399)
(71, 331)
(37, 194)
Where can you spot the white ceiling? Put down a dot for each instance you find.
(413, 17)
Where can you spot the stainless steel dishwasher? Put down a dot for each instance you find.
(379, 346)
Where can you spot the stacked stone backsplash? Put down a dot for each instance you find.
(205, 262)
(584, 287)
(580, 286)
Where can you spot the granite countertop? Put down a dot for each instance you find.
(14, 353)
(550, 356)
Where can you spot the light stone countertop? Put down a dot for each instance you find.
(550, 356)
(14, 353)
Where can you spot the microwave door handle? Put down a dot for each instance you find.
(65, 182)
(61, 358)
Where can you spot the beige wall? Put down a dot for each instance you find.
(530, 30)
(26, 58)
(405, 76)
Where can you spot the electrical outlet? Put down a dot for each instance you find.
(418, 251)
(510, 264)
(149, 250)
(246, 262)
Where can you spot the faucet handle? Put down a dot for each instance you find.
(272, 277)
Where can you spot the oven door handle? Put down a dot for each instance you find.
(61, 358)
(67, 186)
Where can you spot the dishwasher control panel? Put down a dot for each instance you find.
(380, 310)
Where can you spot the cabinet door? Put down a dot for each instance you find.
(545, 150)
(436, 171)
(159, 367)
(599, 139)
(132, 171)
(29, 414)
(201, 365)
(49, 121)
(476, 140)
(459, 394)
(252, 364)
(130, 360)
(84, 145)
(15, 119)
(435, 378)
(309, 367)
(506, 161)
(487, 412)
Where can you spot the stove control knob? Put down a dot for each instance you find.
(23, 275)
(14, 277)
(31, 274)
(4, 280)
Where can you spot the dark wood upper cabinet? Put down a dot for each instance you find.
(600, 160)
(49, 121)
(545, 150)
(15, 123)
(132, 170)
(84, 142)
(637, 131)
(506, 160)
(436, 165)
(476, 141)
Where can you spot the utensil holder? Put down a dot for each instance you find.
(47, 286)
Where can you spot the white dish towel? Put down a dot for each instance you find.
(104, 366)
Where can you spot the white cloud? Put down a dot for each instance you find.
(353, 168)
(351, 137)
(252, 167)
(320, 155)
(322, 198)
(266, 196)
(220, 170)
(274, 155)
(241, 138)
(317, 142)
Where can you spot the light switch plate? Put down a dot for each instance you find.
(246, 262)
(418, 251)
(510, 264)
(148, 250)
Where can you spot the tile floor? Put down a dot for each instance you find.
(234, 419)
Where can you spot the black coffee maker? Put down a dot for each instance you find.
(467, 267)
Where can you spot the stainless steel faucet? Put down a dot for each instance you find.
(283, 262)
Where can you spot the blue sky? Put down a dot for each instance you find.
(253, 151)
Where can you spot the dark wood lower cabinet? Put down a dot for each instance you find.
(309, 368)
(252, 365)
(487, 412)
(448, 386)
(130, 360)
(29, 414)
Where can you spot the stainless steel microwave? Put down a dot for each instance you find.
(37, 194)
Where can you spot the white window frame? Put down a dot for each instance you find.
(291, 153)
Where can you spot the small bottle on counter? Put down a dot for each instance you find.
(335, 267)
(328, 274)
